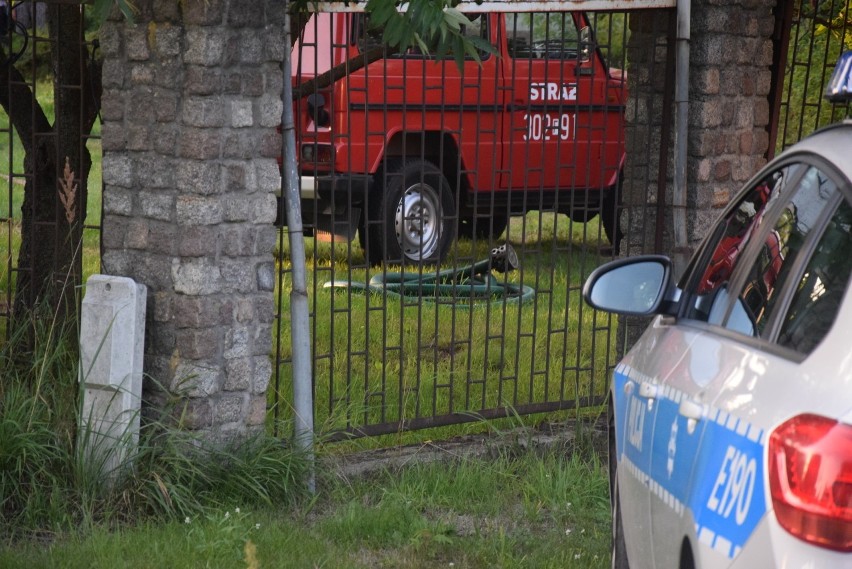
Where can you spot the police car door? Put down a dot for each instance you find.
(720, 485)
(637, 387)
(684, 435)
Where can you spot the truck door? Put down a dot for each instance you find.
(554, 87)
(395, 100)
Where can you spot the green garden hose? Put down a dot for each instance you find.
(464, 287)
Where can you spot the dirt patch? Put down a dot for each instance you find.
(586, 435)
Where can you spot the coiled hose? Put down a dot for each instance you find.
(464, 287)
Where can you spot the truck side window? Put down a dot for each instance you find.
(551, 35)
(369, 37)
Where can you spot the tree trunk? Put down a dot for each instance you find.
(49, 259)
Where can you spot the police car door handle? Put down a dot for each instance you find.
(691, 409)
(647, 390)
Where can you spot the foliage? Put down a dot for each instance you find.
(511, 507)
(102, 9)
(823, 31)
(430, 25)
(48, 483)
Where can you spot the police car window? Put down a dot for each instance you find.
(822, 286)
(777, 254)
(729, 240)
(550, 35)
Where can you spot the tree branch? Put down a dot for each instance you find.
(340, 71)
(19, 102)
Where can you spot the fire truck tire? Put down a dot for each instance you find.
(410, 215)
(483, 227)
(580, 215)
(610, 210)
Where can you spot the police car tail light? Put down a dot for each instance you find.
(810, 478)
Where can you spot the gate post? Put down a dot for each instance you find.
(730, 62)
(191, 103)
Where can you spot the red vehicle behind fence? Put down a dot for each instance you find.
(412, 151)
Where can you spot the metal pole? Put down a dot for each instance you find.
(303, 400)
(681, 240)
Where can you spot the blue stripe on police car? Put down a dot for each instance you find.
(717, 474)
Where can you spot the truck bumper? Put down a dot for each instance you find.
(330, 203)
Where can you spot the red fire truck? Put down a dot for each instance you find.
(412, 150)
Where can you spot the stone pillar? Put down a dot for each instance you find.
(191, 103)
(729, 80)
(730, 60)
(730, 77)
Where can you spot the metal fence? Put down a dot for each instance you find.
(424, 167)
(49, 160)
(810, 37)
(417, 170)
(388, 359)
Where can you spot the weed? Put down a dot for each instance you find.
(52, 474)
(222, 539)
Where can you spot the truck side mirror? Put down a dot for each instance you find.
(584, 51)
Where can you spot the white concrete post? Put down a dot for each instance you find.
(112, 331)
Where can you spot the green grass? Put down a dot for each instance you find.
(518, 509)
(384, 359)
(52, 475)
(176, 503)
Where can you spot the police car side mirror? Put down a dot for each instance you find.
(636, 286)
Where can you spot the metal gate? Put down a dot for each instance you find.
(454, 204)
(387, 359)
(50, 160)
(811, 35)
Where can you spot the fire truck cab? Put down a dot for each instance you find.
(412, 150)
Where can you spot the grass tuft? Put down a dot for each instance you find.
(52, 472)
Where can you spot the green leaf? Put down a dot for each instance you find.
(458, 51)
(482, 44)
(393, 32)
(421, 44)
(456, 19)
(127, 8)
(381, 13)
(433, 21)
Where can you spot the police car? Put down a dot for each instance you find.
(731, 416)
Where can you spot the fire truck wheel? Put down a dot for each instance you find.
(610, 210)
(410, 216)
(483, 227)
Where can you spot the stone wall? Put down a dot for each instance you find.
(191, 103)
(729, 80)
(730, 60)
